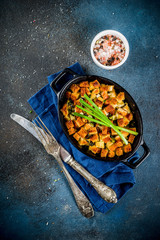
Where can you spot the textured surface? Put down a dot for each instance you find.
(41, 37)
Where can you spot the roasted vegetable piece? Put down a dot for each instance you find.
(82, 132)
(94, 84)
(119, 151)
(69, 124)
(104, 95)
(120, 96)
(94, 149)
(75, 88)
(71, 131)
(104, 152)
(74, 96)
(127, 148)
(78, 122)
(64, 110)
(83, 141)
(76, 136)
(131, 138)
(100, 144)
(94, 138)
(105, 130)
(111, 154)
(84, 84)
(92, 130)
(110, 109)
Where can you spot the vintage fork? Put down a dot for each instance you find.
(52, 147)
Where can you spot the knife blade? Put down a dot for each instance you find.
(29, 126)
(82, 201)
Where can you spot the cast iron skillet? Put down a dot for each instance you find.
(61, 96)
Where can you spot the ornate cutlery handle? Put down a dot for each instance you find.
(82, 201)
(104, 191)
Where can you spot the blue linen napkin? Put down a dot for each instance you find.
(116, 175)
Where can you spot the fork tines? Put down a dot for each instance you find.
(44, 132)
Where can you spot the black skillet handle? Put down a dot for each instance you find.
(59, 77)
(146, 153)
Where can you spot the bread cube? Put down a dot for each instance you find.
(111, 154)
(100, 144)
(119, 151)
(71, 131)
(94, 149)
(83, 142)
(94, 138)
(84, 84)
(104, 152)
(82, 132)
(92, 130)
(76, 136)
(131, 138)
(78, 122)
(120, 96)
(94, 84)
(74, 88)
(127, 148)
(69, 124)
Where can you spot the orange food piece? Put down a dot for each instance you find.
(71, 131)
(113, 147)
(94, 84)
(87, 126)
(119, 151)
(83, 141)
(78, 122)
(129, 116)
(68, 94)
(103, 87)
(104, 95)
(125, 134)
(110, 109)
(107, 139)
(122, 122)
(127, 148)
(104, 152)
(74, 88)
(94, 138)
(119, 143)
(131, 138)
(113, 132)
(122, 112)
(69, 124)
(94, 149)
(83, 91)
(120, 97)
(93, 130)
(104, 130)
(74, 96)
(84, 84)
(64, 110)
(111, 154)
(98, 103)
(113, 102)
(76, 136)
(100, 144)
(82, 132)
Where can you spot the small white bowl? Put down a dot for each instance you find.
(114, 33)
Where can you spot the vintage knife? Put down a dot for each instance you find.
(103, 190)
(82, 201)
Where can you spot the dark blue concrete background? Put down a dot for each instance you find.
(37, 39)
